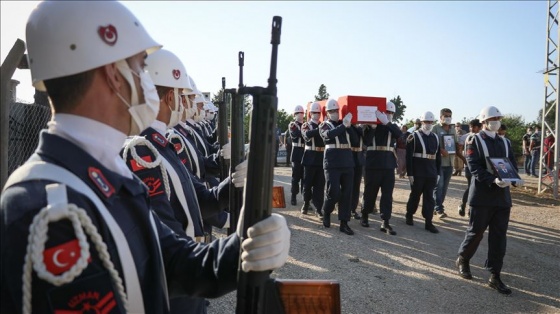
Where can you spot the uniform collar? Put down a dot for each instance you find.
(159, 126)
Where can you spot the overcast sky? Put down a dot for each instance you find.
(463, 55)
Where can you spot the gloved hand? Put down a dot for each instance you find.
(347, 120)
(502, 184)
(382, 117)
(267, 245)
(411, 180)
(240, 174)
(226, 151)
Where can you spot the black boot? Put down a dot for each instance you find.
(463, 267)
(462, 210)
(294, 202)
(305, 207)
(364, 220)
(385, 227)
(326, 220)
(496, 283)
(345, 228)
(430, 227)
(409, 220)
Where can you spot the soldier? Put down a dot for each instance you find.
(312, 161)
(380, 166)
(89, 57)
(447, 160)
(338, 166)
(358, 154)
(298, 146)
(489, 199)
(474, 127)
(423, 162)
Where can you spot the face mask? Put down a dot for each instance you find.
(447, 120)
(493, 126)
(190, 112)
(200, 116)
(427, 128)
(142, 115)
(333, 116)
(298, 117)
(175, 114)
(315, 116)
(390, 116)
(210, 116)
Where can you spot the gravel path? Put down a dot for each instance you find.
(414, 271)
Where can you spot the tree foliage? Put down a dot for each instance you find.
(550, 115)
(516, 128)
(400, 108)
(322, 93)
(283, 119)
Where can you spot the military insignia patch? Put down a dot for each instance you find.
(136, 166)
(158, 138)
(155, 186)
(100, 181)
(61, 258)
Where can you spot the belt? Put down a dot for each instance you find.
(357, 149)
(342, 146)
(381, 148)
(427, 156)
(298, 145)
(317, 149)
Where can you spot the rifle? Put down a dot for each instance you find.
(223, 130)
(237, 146)
(257, 292)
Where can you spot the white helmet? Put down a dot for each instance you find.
(390, 107)
(70, 37)
(427, 116)
(194, 90)
(332, 105)
(315, 107)
(298, 109)
(166, 69)
(489, 112)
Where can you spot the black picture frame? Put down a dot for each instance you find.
(503, 169)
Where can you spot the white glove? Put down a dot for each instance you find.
(382, 117)
(240, 174)
(267, 245)
(502, 184)
(226, 151)
(411, 180)
(347, 120)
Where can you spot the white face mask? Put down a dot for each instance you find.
(315, 116)
(333, 116)
(175, 114)
(142, 115)
(299, 117)
(390, 117)
(200, 116)
(493, 126)
(210, 116)
(446, 120)
(427, 128)
(191, 112)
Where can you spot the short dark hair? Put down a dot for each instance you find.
(475, 122)
(162, 90)
(503, 127)
(65, 92)
(445, 110)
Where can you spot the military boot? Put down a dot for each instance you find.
(345, 228)
(364, 220)
(294, 201)
(305, 207)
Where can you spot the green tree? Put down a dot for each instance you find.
(400, 108)
(322, 93)
(283, 119)
(550, 115)
(516, 127)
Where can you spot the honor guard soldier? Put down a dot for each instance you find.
(489, 199)
(380, 166)
(74, 215)
(312, 161)
(298, 146)
(356, 146)
(338, 165)
(423, 160)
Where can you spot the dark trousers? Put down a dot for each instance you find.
(339, 190)
(422, 187)
(374, 180)
(497, 219)
(314, 185)
(535, 159)
(297, 175)
(187, 304)
(468, 175)
(356, 188)
(527, 164)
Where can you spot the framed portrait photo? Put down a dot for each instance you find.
(449, 144)
(504, 169)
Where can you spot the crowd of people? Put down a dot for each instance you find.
(337, 155)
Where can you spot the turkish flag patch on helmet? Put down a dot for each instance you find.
(176, 74)
(108, 34)
(62, 257)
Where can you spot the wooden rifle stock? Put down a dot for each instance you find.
(257, 292)
(237, 146)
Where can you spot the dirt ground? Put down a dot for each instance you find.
(414, 271)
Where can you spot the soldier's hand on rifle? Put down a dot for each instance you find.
(238, 177)
(267, 244)
(226, 151)
(347, 120)
(382, 117)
